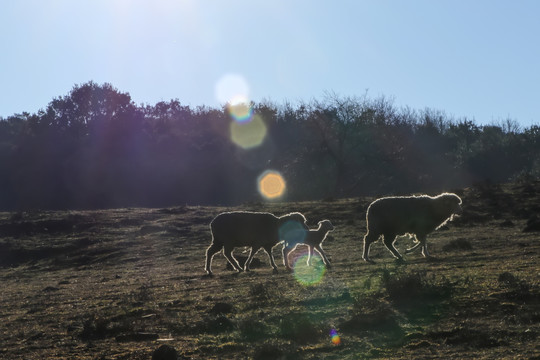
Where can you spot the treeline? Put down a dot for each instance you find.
(95, 148)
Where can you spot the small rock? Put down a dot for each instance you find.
(165, 352)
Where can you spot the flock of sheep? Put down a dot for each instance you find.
(388, 217)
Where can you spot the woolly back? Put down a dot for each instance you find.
(294, 216)
(292, 228)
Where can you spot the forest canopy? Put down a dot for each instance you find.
(96, 148)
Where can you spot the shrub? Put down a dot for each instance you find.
(374, 315)
(516, 289)
(260, 292)
(96, 327)
(222, 308)
(414, 287)
(299, 328)
(252, 330)
(220, 324)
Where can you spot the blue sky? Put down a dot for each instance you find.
(478, 59)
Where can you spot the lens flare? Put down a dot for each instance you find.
(292, 232)
(240, 109)
(271, 185)
(336, 340)
(309, 275)
(231, 86)
(249, 134)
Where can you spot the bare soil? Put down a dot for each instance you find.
(118, 284)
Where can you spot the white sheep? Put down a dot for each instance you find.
(416, 215)
(252, 229)
(314, 239)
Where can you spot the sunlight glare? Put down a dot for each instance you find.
(334, 336)
(231, 86)
(250, 134)
(292, 232)
(240, 109)
(271, 185)
(308, 275)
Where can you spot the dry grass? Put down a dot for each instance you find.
(118, 284)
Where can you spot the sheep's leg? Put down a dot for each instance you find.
(422, 240)
(368, 240)
(230, 257)
(286, 251)
(311, 253)
(425, 252)
(389, 243)
(210, 252)
(323, 255)
(248, 260)
(268, 250)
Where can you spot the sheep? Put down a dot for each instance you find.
(314, 239)
(414, 215)
(252, 229)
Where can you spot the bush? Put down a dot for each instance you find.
(215, 325)
(414, 287)
(252, 330)
(96, 327)
(373, 315)
(299, 328)
(222, 308)
(516, 289)
(260, 292)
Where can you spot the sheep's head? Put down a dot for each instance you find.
(326, 225)
(452, 203)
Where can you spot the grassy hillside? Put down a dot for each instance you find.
(118, 284)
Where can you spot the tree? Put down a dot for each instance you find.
(95, 148)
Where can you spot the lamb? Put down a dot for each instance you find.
(314, 239)
(416, 215)
(252, 229)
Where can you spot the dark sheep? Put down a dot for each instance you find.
(252, 229)
(416, 215)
